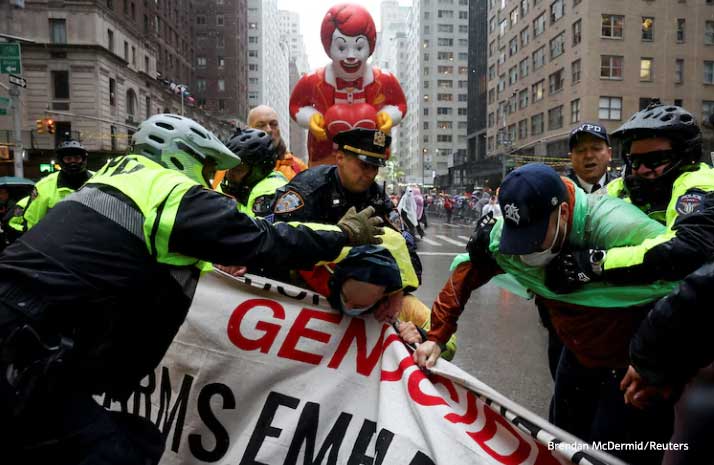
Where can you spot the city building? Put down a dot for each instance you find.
(220, 35)
(268, 61)
(433, 135)
(291, 34)
(98, 68)
(555, 64)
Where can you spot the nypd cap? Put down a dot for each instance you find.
(369, 145)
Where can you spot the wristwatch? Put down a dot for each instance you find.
(597, 259)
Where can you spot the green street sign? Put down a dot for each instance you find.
(3, 111)
(10, 59)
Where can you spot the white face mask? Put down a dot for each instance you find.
(354, 311)
(540, 259)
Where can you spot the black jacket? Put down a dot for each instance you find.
(674, 340)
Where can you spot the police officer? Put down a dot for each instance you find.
(665, 179)
(324, 193)
(253, 182)
(92, 296)
(72, 158)
(590, 154)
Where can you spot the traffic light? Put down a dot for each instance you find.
(51, 125)
(40, 125)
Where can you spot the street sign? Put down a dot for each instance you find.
(17, 80)
(10, 58)
(3, 111)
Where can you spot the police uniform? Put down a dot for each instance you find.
(318, 195)
(261, 196)
(110, 274)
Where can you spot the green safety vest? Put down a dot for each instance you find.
(601, 222)
(265, 188)
(155, 190)
(35, 207)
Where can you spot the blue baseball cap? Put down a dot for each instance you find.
(527, 197)
(592, 129)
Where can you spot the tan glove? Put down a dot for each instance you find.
(361, 228)
(317, 127)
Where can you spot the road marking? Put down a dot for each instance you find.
(451, 241)
(448, 254)
(466, 238)
(430, 242)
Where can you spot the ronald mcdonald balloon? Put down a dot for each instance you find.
(348, 36)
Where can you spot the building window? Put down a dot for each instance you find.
(60, 85)
(557, 45)
(577, 32)
(523, 99)
(681, 26)
(524, 8)
(132, 105)
(444, 56)
(110, 40)
(200, 19)
(610, 67)
(514, 17)
(221, 85)
(557, 9)
(709, 33)
(538, 90)
(524, 37)
(221, 62)
(126, 51)
(707, 108)
(492, 96)
(252, 67)
(646, 69)
(575, 111)
(444, 42)
(112, 92)
(444, 69)
(523, 129)
(58, 31)
(253, 39)
(556, 81)
(491, 120)
(443, 138)
(443, 84)
(449, 28)
(575, 71)
(513, 47)
(146, 64)
(647, 28)
(537, 124)
(612, 26)
(201, 85)
(444, 124)
(539, 58)
(201, 62)
(512, 75)
(221, 105)
(444, 97)
(220, 41)
(555, 118)
(610, 108)
(709, 72)
(445, 14)
(678, 71)
(523, 67)
(539, 25)
(645, 102)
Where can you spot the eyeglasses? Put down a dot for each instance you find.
(651, 160)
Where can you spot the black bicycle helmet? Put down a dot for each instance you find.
(72, 147)
(257, 152)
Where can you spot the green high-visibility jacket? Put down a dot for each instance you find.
(261, 196)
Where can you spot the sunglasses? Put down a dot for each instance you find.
(651, 160)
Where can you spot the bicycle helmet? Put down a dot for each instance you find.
(258, 155)
(72, 147)
(181, 144)
(668, 121)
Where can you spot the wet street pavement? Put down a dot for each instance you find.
(500, 338)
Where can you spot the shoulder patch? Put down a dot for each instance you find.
(288, 202)
(689, 203)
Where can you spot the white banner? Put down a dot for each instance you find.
(263, 373)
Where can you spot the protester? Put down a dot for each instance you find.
(91, 297)
(407, 208)
(448, 207)
(542, 215)
(590, 154)
(664, 179)
(421, 211)
(492, 207)
(72, 158)
(265, 119)
(253, 181)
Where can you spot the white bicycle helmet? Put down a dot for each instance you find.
(181, 144)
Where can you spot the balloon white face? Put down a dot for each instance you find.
(349, 55)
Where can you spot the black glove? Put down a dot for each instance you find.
(480, 239)
(571, 269)
(361, 228)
